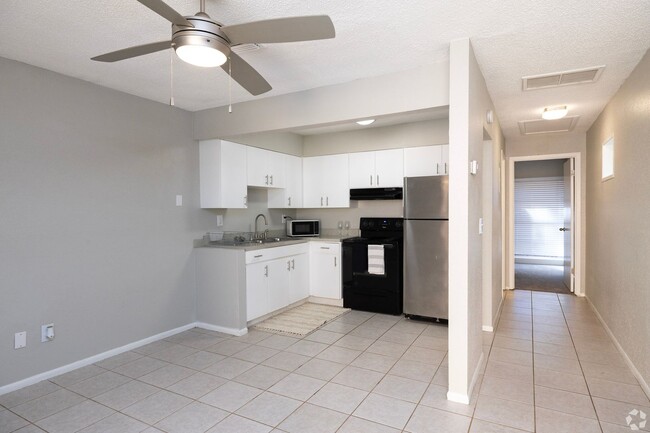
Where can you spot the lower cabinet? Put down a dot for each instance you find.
(325, 270)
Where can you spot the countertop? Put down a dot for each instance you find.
(252, 246)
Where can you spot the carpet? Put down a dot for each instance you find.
(301, 320)
(541, 278)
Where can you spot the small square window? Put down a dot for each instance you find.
(608, 159)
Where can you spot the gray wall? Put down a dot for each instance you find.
(90, 237)
(618, 231)
(544, 168)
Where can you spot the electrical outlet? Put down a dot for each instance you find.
(480, 226)
(284, 218)
(20, 340)
(219, 220)
(47, 332)
(179, 200)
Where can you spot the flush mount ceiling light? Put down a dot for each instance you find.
(553, 113)
(365, 122)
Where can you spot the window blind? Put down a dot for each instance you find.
(539, 214)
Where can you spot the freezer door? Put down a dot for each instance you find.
(426, 197)
(426, 268)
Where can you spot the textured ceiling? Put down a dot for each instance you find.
(511, 39)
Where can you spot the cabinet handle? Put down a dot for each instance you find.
(324, 248)
(266, 270)
(271, 177)
(289, 201)
(258, 256)
(293, 264)
(377, 180)
(321, 201)
(327, 201)
(288, 265)
(334, 261)
(267, 179)
(446, 168)
(245, 200)
(371, 180)
(437, 168)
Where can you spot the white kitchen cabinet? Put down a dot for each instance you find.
(426, 161)
(379, 169)
(291, 195)
(222, 174)
(265, 168)
(299, 278)
(326, 181)
(325, 270)
(257, 293)
(278, 279)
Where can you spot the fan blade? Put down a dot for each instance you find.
(246, 76)
(139, 50)
(166, 12)
(292, 29)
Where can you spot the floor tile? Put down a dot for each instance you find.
(441, 377)
(166, 376)
(511, 356)
(140, 367)
(398, 337)
(230, 396)
(414, 370)
(154, 347)
(430, 420)
(193, 418)
(78, 375)
(374, 408)
(353, 342)
(229, 368)
(421, 354)
(401, 388)
(200, 360)
(554, 363)
(563, 381)
(116, 423)
(509, 371)
(387, 348)
(616, 412)
(254, 336)
(75, 418)
(600, 357)
(197, 385)
(228, 347)
(505, 412)
(436, 343)
(42, 407)
(117, 360)
(373, 361)
(237, 424)
(359, 425)
(550, 421)
(480, 426)
(322, 336)
(339, 327)
(200, 341)
(307, 348)
(436, 396)
(270, 409)
(338, 397)
(297, 386)
(359, 378)
(126, 395)
(555, 350)
(10, 422)
(256, 354)
(156, 407)
(410, 327)
(617, 391)
(99, 384)
(368, 331)
(608, 372)
(320, 369)
(28, 393)
(30, 429)
(279, 342)
(174, 353)
(261, 376)
(313, 419)
(512, 343)
(341, 355)
(286, 361)
(508, 389)
(563, 401)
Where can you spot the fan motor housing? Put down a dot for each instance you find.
(205, 32)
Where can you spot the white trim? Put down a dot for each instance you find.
(487, 328)
(628, 361)
(326, 301)
(231, 331)
(465, 398)
(457, 397)
(577, 253)
(91, 360)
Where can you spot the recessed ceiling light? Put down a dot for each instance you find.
(552, 113)
(365, 122)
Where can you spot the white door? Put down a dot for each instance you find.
(278, 288)
(276, 169)
(257, 290)
(362, 170)
(299, 277)
(336, 181)
(312, 181)
(256, 166)
(422, 161)
(389, 168)
(325, 270)
(568, 229)
(233, 176)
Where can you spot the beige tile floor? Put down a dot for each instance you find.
(551, 368)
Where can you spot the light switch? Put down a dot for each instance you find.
(179, 200)
(20, 340)
(219, 220)
(480, 226)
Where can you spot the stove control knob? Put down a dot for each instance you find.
(398, 224)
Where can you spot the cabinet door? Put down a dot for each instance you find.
(362, 170)
(422, 161)
(291, 195)
(325, 271)
(299, 287)
(312, 181)
(222, 173)
(389, 168)
(278, 288)
(256, 166)
(337, 182)
(445, 159)
(257, 299)
(275, 168)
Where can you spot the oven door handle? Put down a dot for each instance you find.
(386, 246)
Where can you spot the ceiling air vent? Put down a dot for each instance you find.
(566, 78)
(541, 126)
(244, 48)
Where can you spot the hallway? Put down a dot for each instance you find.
(541, 278)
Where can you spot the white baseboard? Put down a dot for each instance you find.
(326, 301)
(463, 398)
(487, 328)
(628, 361)
(91, 360)
(458, 397)
(231, 331)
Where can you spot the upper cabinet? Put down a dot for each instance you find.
(380, 169)
(426, 161)
(291, 195)
(222, 166)
(265, 168)
(326, 181)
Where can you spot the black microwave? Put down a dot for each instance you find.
(297, 228)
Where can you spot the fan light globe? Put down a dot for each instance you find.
(554, 112)
(201, 55)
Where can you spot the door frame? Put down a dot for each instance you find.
(577, 211)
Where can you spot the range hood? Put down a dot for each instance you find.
(376, 194)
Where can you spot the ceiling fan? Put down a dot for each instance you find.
(202, 41)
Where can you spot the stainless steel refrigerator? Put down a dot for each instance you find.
(426, 246)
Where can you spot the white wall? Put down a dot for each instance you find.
(278, 141)
(469, 101)
(618, 232)
(90, 238)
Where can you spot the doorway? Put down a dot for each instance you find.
(543, 204)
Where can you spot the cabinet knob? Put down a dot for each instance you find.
(293, 264)
(321, 201)
(334, 261)
(377, 180)
(266, 271)
(267, 179)
(271, 177)
(289, 201)
(288, 265)
(371, 180)
(327, 201)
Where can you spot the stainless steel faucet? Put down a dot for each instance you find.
(257, 234)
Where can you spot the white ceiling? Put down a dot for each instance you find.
(511, 39)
